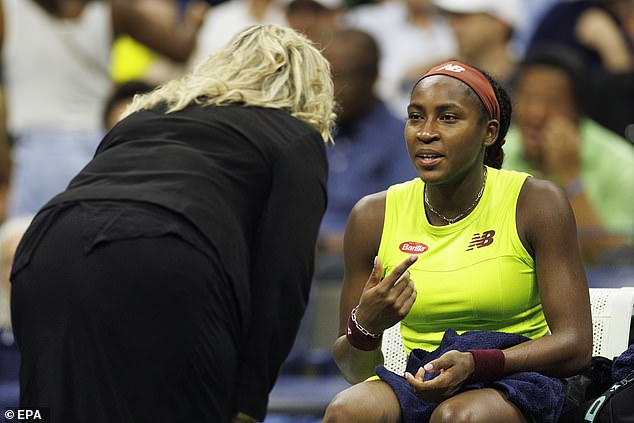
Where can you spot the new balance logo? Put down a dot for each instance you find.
(451, 68)
(479, 241)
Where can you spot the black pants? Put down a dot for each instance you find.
(137, 330)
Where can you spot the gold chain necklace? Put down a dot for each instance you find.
(464, 213)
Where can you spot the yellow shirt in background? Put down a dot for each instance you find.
(130, 60)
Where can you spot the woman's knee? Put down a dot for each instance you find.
(477, 406)
(340, 410)
(453, 412)
(367, 402)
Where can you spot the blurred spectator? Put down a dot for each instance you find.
(314, 17)
(5, 171)
(5, 155)
(11, 232)
(412, 36)
(224, 20)
(55, 57)
(310, 17)
(612, 102)
(602, 34)
(554, 139)
(132, 60)
(483, 30)
(534, 10)
(600, 31)
(120, 98)
(368, 154)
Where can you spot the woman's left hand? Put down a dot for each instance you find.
(454, 368)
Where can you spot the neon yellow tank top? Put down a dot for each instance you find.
(474, 274)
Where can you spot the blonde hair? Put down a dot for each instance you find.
(263, 65)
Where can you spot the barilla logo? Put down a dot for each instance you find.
(451, 68)
(413, 247)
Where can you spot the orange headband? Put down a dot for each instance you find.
(474, 79)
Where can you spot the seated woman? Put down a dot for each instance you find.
(480, 266)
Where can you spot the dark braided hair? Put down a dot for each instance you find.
(494, 155)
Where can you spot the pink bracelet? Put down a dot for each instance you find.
(489, 365)
(358, 336)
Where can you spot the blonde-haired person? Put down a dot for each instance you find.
(266, 66)
(168, 281)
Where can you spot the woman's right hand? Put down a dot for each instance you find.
(385, 302)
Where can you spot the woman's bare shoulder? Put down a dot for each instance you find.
(365, 223)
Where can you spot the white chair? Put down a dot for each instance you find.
(611, 317)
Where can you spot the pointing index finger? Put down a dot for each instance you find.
(401, 268)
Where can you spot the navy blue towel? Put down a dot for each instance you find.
(623, 364)
(536, 395)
